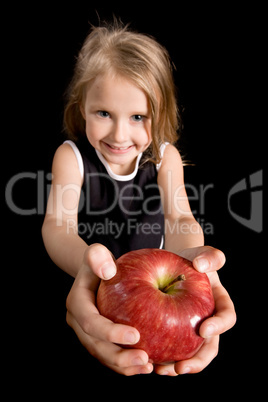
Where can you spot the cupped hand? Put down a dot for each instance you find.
(97, 334)
(206, 259)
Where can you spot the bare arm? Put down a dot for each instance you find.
(87, 264)
(182, 231)
(185, 237)
(59, 230)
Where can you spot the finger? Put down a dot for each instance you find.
(113, 356)
(201, 359)
(89, 275)
(133, 370)
(210, 259)
(225, 316)
(80, 304)
(165, 369)
(100, 260)
(100, 327)
(204, 258)
(124, 361)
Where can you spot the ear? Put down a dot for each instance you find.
(82, 110)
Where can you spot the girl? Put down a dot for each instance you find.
(117, 186)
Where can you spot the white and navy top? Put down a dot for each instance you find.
(123, 213)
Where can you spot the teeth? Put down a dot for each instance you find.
(121, 148)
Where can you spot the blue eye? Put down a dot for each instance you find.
(103, 113)
(137, 117)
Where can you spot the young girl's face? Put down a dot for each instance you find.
(118, 121)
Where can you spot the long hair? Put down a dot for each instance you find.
(134, 56)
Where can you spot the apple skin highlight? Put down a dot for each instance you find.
(163, 297)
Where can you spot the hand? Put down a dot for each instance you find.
(96, 333)
(209, 260)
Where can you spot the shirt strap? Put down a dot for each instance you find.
(162, 150)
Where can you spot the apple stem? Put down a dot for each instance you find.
(179, 278)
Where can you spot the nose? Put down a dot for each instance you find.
(120, 132)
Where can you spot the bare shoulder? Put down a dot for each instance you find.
(170, 175)
(65, 166)
(171, 181)
(171, 160)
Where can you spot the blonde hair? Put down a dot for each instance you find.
(137, 57)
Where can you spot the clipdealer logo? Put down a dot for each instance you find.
(248, 189)
(252, 187)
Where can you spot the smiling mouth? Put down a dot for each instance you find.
(119, 149)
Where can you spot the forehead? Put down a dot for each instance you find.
(116, 91)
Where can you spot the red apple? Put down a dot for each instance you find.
(161, 295)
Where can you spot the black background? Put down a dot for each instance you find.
(218, 52)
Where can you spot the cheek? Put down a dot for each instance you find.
(93, 132)
(148, 130)
(142, 137)
(145, 140)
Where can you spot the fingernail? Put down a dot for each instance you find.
(210, 331)
(202, 264)
(130, 338)
(108, 270)
(186, 370)
(145, 370)
(138, 362)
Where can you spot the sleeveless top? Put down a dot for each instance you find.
(123, 213)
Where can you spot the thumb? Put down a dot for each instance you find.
(100, 260)
(211, 259)
(204, 258)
